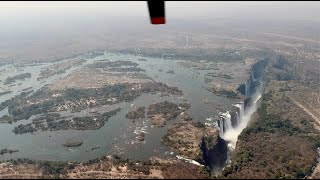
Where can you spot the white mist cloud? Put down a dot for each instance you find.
(231, 134)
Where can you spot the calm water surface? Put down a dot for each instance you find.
(118, 134)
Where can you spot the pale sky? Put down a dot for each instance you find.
(64, 22)
(34, 16)
(247, 9)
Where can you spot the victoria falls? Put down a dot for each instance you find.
(90, 90)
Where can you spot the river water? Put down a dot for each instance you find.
(118, 134)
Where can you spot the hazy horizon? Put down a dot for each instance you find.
(48, 26)
(266, 10)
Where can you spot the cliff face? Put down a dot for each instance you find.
(192, 140)
(282, 141)
(232, 118)
(214, 155)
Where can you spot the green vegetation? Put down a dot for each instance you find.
(223, 92)
(55, 167)
(281, 141)
(272, 155)
(166, 108)
(5, 92)
(285, 69)
(209, 141)
(184, 106)
(19, 113)
(73, 144)
(23, 76)
(224, 76)
(94, 148)
(136, 114)
(53, 122)
(5, 119)
(60, 169)
(170, 71)
(271, 123)
(162, 112)
(191, 139)
(21, 161)
(26, 93)
(5, 150)
(59, 68)
(114, 64)
(96, 54)
(19, 107)
(198, 124)
(21, 129)
(130, 69)
(212, 55)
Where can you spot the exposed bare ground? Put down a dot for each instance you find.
(27, 171)
(156, 174)
(292, 37)
(232, 38)
(316, 173)
(86, 78)
(158, 120)
(316, 119)
(186, 138)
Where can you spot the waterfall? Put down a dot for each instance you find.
(252, 77)
(224, 122)
(221, 126)
(230, 125)
(227, 120)
(244, 110)
(241, 110)
(237, 118)
(230, 133)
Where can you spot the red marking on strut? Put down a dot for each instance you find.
(158, 20)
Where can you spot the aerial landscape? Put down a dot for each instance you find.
(206, 97)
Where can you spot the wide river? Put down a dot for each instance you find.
(119, 134)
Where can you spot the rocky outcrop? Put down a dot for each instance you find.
(161, 112)
(215, 156)
(136, 114)
(73, 143)
(192, 140)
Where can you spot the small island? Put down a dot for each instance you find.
(5, 92)
(223, 92)
(161, 112)
(187, 137)
(5, 150)
(141, 137)
(54, 122)
(185, 116)
(94, 148)
(136, 114)
(170, 72)
(13, 79)
(73, 143)
(5, 119)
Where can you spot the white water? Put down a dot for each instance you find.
(189, 160)
(230, 133)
